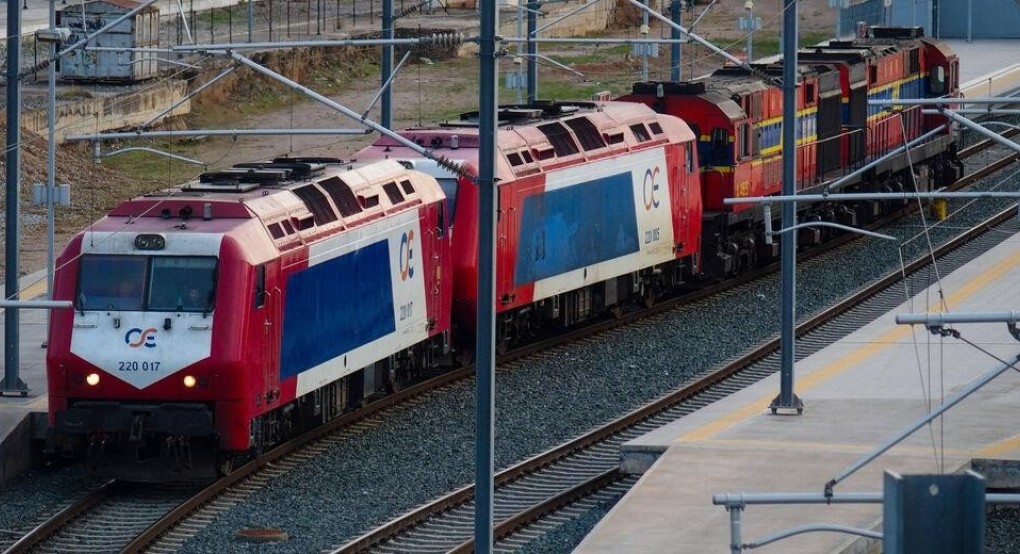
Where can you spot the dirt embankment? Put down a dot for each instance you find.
(432, 85)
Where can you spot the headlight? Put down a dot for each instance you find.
(190, 381)
(92, 379)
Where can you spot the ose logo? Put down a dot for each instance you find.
(650, 189)
(406, 255)
(137, 337)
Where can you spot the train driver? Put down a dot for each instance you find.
(195, 299)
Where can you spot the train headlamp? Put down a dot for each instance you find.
(190, 381)
(92, 379)
(149, 241)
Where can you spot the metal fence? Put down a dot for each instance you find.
(262, 21)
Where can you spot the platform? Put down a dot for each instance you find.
(984, 57)
(16, 411)
(858, 393)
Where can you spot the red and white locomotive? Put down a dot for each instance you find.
(599, 203)
(318, 284)
(212, 319)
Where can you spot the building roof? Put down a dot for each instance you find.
(128, 5)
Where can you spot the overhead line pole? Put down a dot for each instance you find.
(12, 382)
(51, 154)
(533, 6)
(787, 400)
(485, 341)
(386, 107)
(675, 53)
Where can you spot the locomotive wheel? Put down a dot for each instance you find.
(465, 357)
(226, 466)
(648, 298)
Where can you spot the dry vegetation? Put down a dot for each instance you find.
(434, 85)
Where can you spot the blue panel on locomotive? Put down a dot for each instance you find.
(316, 301)
(577, 226)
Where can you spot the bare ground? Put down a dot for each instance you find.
(426, 90)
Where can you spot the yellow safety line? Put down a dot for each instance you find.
(34, 290)
(762, 444)
(998, 448)
(30, 292)
(834, 369)
(40, 402)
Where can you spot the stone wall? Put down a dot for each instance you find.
(105, 113)
(595, 17)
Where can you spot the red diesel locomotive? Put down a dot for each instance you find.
(737, 117)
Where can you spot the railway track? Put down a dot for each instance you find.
(105, 520)
(586, 475)
(533, 494)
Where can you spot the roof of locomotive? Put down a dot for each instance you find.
(942, 47)
(306, 192)
(822, 53)
(512, 115)
(513, 120)
(730, 81)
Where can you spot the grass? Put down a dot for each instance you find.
(575, 91)
(597, 55)
(767, 44)
(146, 166)
(446, 87)
(73, 93)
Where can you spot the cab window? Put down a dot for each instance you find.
(721, 151)
(937, 81)
(111, 283)
(182, 283)
(146, 283)
(260, 286)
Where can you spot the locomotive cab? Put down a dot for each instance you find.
(146, 284)
(194, 343)
(142, 320)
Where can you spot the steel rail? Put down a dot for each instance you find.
(59, 520)
(179, 514)
(722, 373)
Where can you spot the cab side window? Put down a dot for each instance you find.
(720, 153)
(937, 81)
(260, 286)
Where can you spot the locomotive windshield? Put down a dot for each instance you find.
(111, 283)
(146, 283)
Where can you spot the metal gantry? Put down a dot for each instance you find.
(787, 399)
(488, 100)
(12, 382)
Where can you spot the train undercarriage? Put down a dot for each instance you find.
(734, 243)
(161, 442)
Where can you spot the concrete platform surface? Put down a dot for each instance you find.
(16, 411)
(979, 58)
(858, 392)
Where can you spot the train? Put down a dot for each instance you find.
(217, 318)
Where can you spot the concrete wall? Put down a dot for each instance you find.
(16, 449)
(908, 13)
(93, 115)
(979, 19)
(593, 18)
(917, 13)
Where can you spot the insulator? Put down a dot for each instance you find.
(408, 11)
(450, 165)
(442, 39)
